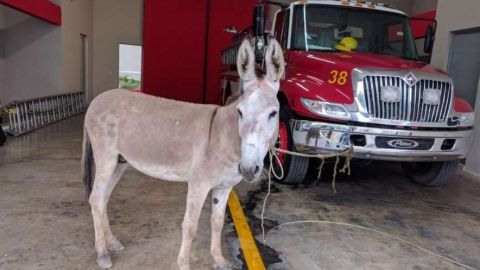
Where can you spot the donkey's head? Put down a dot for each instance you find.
(258, 107)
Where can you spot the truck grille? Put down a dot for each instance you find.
(411, 106)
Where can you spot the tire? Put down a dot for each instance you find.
(430, 173)
(3, 137)
(295, 168)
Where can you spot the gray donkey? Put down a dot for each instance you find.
(208, 146)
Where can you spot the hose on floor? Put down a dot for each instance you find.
(346, 168)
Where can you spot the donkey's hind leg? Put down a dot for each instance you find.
(105, 180)
(113, 244)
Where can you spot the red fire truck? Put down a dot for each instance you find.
(353, 78)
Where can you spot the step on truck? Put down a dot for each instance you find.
(354, 79)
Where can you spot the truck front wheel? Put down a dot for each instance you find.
(430, 173)
(294, 167)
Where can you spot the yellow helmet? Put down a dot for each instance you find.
(347, 44)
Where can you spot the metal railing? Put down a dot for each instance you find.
(28, 115)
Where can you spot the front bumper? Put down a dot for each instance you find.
(381, 143)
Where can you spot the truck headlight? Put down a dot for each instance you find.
(466, 119)
(327, 109)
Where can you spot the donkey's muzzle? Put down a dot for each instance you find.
(249, 173)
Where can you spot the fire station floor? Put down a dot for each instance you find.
(45, 222)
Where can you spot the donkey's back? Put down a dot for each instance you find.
(158, 136)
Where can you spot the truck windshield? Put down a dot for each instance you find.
(332, 28)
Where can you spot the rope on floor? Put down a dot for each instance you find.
(346, 168)
(348, 154)
(379, 232)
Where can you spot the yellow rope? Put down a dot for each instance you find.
(335, 175)
(344, 153)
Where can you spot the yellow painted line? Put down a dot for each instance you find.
(247, 243)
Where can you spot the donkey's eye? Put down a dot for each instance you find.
(240, 113)
(272, 115)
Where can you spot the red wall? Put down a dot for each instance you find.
(223, 13)
(174, 46)
(42, 9)
(420, 27)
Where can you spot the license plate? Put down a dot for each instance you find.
(404, 143)
(330, 140)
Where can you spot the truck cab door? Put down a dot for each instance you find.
(281, 32)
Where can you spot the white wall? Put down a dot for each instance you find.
(3, 65)
(77, 19)
(3, 69)
(2, 17)
(31, 62)
(45, 59)
(473, 160)
(403, 5)
(453, 16)
(422, 6)
(130, 62)
(114, 22)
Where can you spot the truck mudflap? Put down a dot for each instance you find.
(381, 143)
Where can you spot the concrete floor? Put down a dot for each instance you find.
(45, 222)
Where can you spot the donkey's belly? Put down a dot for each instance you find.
(161, 172)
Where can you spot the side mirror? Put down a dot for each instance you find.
(429, 40)
(259, 20)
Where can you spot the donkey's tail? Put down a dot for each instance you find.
(88, 164)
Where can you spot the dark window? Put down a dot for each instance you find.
(298, 29)
(279, 25)
(323, 27)
(286, 22)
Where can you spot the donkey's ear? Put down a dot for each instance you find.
(246, 61)
(274, 61)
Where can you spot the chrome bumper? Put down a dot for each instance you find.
(381, 143)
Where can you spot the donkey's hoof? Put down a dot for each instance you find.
(184, 267)
(115, 246)
(104, 262)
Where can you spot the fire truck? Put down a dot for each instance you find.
(353, 78)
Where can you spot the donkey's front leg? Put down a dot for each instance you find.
(219, 202)
(195, 200)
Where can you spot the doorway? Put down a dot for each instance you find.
(129, 66)
(83, 62)
(464, 64)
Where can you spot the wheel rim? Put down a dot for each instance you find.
(282, 142)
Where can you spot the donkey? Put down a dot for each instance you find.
(208, 146)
